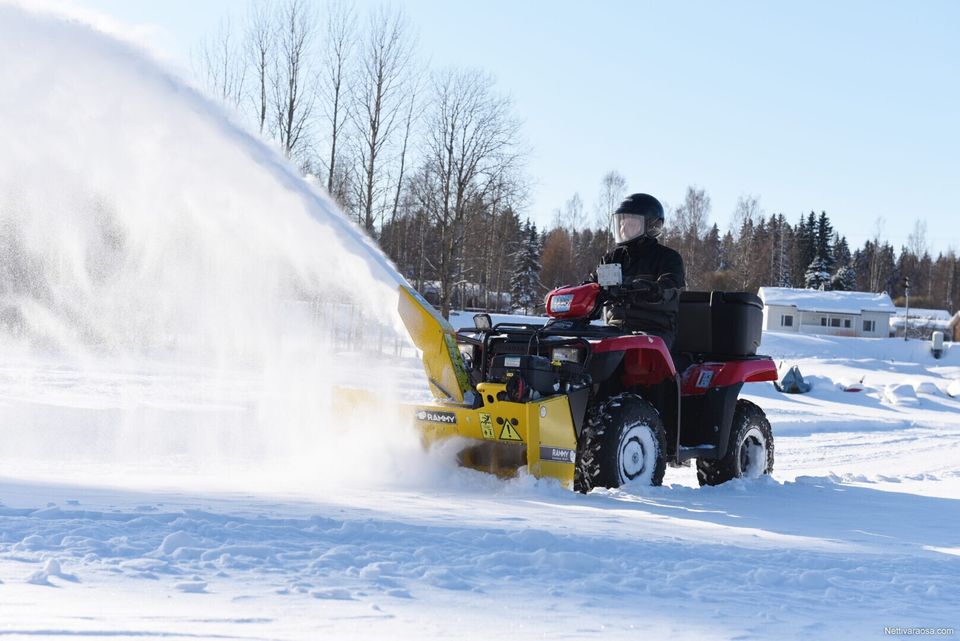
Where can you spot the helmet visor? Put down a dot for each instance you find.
(627, 227)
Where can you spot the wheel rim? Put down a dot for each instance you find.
(753, 454)
(638, 454)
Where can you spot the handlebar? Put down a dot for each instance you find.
(639, 286)
(642, 285)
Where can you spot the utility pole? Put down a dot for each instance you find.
(780, 276)
(906, 320)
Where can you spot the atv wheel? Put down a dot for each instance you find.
(749, 452)
(622, 441)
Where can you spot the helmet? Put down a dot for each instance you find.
(638, 215)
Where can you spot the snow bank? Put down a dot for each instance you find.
(902, 394)
(786, 346)
(954, 388)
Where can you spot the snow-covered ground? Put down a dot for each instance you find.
(176, 305)
(857, 529)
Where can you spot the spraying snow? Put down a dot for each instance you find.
(142, 232)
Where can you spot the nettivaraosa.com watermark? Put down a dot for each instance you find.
(896, 631)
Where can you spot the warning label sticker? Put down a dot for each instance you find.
(486, 426)
(508, 433)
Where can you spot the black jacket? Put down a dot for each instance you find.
(645, 259)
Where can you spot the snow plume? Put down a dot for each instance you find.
(170, 271)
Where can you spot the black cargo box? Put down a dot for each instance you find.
(719, 323)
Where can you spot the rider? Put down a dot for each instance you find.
(656, 270)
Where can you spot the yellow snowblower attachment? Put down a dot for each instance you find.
(504, 435)
(437, 340)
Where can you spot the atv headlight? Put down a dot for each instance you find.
(560, 304)
(565, 354)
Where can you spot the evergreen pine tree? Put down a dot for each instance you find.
(841, 251)
(806, 245)
(817, 275)
(823, 242)
(845, 280)
(713, 250)
(525, 283)
(727, 252)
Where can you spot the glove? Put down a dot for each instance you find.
(654, 293)
(647, 290)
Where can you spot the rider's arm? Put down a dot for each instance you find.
(672, 273)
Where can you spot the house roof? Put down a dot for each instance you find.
(814, 300)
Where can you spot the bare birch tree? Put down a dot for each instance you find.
(876, 258)
(747, 215)
(382, 93)
(412, 106)
(470, 146)
(221, 66)
(260, 49)
(689, 227)
(613, 189)
(340, 35)
(293, 97)
(917, 240)
(574, 215)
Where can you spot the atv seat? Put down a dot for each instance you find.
(721, 325)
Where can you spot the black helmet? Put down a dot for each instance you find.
(639, 214)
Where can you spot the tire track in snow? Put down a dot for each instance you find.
(551, 555)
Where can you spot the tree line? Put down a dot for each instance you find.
(429, 161)
(768, 250)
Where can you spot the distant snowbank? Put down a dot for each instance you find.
(780, 345)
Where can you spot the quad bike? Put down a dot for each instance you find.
(592, 405)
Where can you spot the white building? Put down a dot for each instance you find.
(811, 311)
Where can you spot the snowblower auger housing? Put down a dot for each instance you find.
(507, 434)
(591, 405)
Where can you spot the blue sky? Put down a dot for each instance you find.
(849, 107)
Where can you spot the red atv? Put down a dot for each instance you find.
(632, 409)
